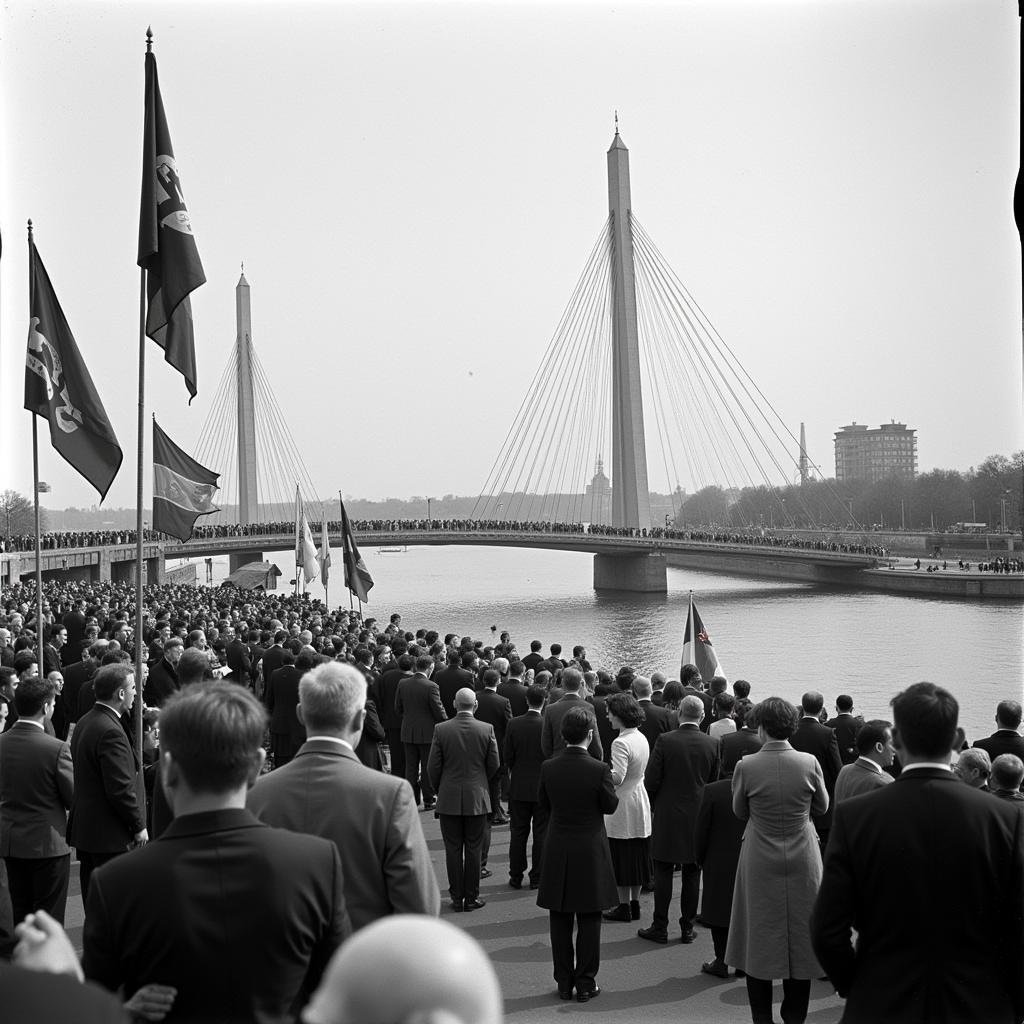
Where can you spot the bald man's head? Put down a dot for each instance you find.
(437, 975)
(465, 699)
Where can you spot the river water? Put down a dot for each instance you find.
(784, 638)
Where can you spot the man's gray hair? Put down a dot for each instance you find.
(572, 679)
(642, 688)
(691, 709)
(500, 665)
(330, 696)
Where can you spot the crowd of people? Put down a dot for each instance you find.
(272, 819)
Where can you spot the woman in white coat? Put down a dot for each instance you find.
(775, 791)
(629, 828)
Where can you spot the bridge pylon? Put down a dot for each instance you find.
(631, 505)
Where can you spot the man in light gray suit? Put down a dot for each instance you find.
(37, 782)
(371, 817)
(463, 760)
(875, 753)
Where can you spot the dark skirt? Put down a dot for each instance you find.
(631, 859)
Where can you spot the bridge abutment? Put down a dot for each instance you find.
(639, 573)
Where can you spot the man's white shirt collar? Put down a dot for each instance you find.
(928, 764)
(332, 739)
(30, 721)
(868, 763)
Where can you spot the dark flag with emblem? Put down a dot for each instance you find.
(167, 247)
(357, 576)
(697, 648)
(182, 489)
(58, 386)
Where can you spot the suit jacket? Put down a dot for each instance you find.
(463, 760)
(51, 659)
(239, 660)
(272, 660)
(387, 691)
(239, 917)
(369, 816)
(373, 733)
(577, 874)
(1002, 741)
(682, 763)
(846, 726)
(74, 623)
(705, 698)
(76, 676)
(109, 800)
(449, 681)
(32, 996)
(606, 732)
(814, 738)
(37, 782)
(551, 737)
(282, 698)
(515, 693)
(857, 778)
(524, 756)
(734, 746)
(921, 957)
(496, 711)
(532, 660)
(161, 683)
(418, 704)
(656, 721)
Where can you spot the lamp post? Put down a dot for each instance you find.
(430, 519)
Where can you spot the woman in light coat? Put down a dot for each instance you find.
(775, 791)
(629, 827)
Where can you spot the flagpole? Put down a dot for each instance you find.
(137, 709)
(298, 528)
(39, 562)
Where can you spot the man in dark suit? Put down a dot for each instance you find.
(682, 764)
(846, 725)
(523, 758)
(162, 681)
(919, 956)
(1006, 739)
(282, 699)
(36, 787)
(418, 704)
(57, 639)
(551, 738)
(734, 746)
(108, 810)
(238, 917)
(457, 675)
(371, 817)
(693, 686)
(390, 717)
(513, 689)
(239, 659)
(273, 659)
(577, 878)
(75, 678)
(463, 760)
(656, 720)
(496, 710)
(814, 738)
(74, 623)
(534, 658)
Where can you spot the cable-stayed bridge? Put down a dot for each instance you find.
(632, 339)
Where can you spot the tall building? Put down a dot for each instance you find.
(873, 453)
(597, 499)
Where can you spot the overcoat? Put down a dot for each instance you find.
(682, 762)
(632, 818)
(577, 874)
(775, 791)
(719, 837)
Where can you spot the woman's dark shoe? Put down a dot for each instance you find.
(634, 910)
(620, 913)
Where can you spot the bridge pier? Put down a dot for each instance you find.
(639, 573)
(239, 558)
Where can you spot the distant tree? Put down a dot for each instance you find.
(17, 515)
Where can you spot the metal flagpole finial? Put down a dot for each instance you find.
(149, 39)
(30, 229)
(616, 122)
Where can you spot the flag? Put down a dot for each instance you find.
(59, 388)
(308, 561)
(697, 648)
(167, 247)
(182, 489)
(357, 576)
(324, 558)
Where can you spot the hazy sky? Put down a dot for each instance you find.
(414, 189)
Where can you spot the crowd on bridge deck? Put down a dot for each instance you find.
(198, 633)
(753, 537)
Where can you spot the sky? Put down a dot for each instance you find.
(414, 190)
